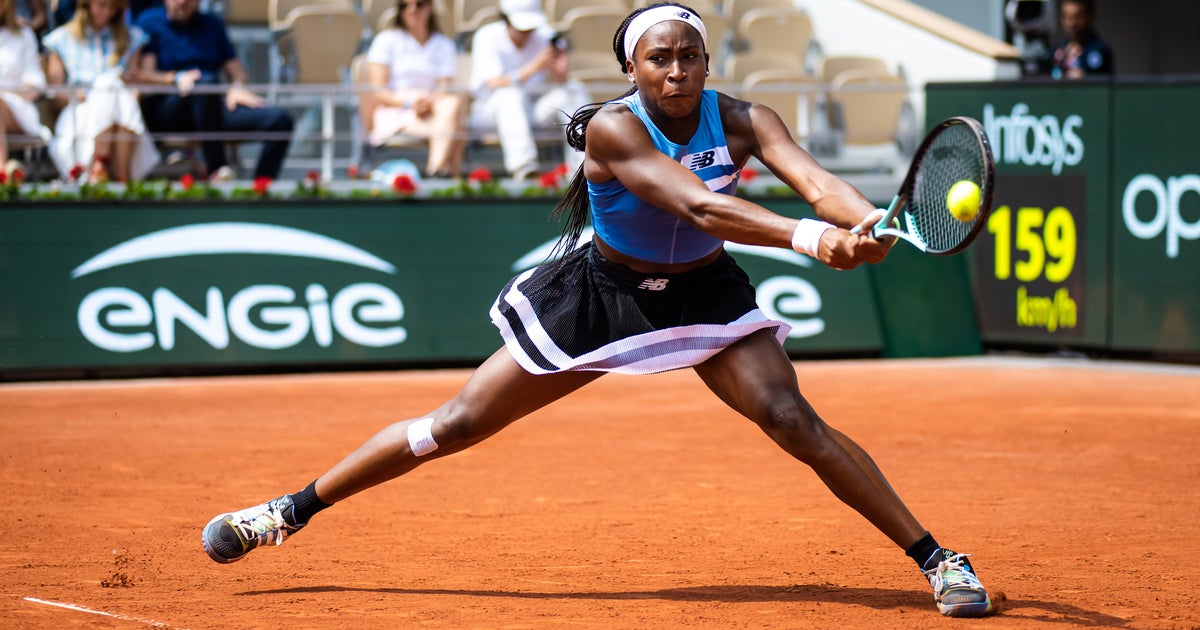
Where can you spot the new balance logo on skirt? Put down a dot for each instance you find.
(654, 284)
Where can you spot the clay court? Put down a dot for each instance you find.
(638, 502)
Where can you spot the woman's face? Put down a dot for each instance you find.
(102, 11)
(415, 13)
(669, 66)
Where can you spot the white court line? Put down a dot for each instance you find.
(151, 622)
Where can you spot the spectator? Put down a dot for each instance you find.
(519, 79)
(188, 48)
(21, 80)
(1083, 53)
(66, 8)
(413, 66)
(32, 13)
(103, 126)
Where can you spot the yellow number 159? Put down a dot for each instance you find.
(1041, 236)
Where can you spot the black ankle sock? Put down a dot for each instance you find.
(307, 503)
(922, 552)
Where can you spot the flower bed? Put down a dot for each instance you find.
(478, 184)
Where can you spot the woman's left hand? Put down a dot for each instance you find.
(839, 249)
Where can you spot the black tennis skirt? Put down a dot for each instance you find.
(589, 313)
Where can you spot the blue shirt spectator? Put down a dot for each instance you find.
(187, 48)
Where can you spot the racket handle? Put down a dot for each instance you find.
(877, 212)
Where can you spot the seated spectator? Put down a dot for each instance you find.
(102, 126)
(519, 80)
(414, 65)
(66, 8)
(1083, 53)
(188, 48)
(21, 80)
(32, 13)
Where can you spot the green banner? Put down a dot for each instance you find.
(286, 283)
(1040, 268)
(1156, 213)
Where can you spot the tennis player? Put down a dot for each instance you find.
(654, 290)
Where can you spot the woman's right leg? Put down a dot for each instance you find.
(8, 124)
(497, 393)
(446, 135)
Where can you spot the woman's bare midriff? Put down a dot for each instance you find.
(645, 266)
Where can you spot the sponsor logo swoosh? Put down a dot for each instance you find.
(231, 238)
(538, 255)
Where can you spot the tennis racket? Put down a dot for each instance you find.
(955, 150)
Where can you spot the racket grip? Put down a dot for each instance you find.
(877, 212)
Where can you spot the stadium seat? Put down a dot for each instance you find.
(866, 106)
(740, 65)
(471, 14)
(794, 94)
(785, 31)
(736, 9)
(556, 11)
(279, 20)
(591, 29)
(832, 66)
(599, 72)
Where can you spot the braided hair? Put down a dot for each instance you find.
(573, 207)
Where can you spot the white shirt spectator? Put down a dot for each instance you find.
(493, 54)
(21, 68)
(411, 65)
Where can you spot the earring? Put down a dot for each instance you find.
(706, 73)
(632, 80)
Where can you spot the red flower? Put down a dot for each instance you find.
(76, 172)
(480, 175)
(548, 179)
(261, 184)
(187, 181)
(3, 177)
(352, 171)
(18, 176)
(561, 170)
(312, 177)
(748, 174)
(404, 185)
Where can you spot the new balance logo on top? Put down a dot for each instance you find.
(654, 284)
(703, 159)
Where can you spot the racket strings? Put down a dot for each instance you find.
(954, 155)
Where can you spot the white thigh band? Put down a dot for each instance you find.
(420, 437)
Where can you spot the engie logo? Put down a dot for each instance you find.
(270, 316)
(790, 299)
(1022, 138)
(1166, 215)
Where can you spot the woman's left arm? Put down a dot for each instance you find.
(768, 139)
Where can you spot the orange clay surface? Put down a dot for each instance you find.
(638, 502)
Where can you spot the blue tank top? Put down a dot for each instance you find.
(638, 229)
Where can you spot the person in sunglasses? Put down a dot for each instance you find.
(412, 66)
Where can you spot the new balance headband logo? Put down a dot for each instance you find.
(654, 284)
(685, 15)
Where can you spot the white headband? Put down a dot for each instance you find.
(650, 17)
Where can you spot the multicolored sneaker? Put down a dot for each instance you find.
(957, 589)
(229, 537)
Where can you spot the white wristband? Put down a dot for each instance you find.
(807, 236)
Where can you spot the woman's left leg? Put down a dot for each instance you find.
(756, 378)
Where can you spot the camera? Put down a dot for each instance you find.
(560, 41)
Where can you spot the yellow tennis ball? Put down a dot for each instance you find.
(963, 200)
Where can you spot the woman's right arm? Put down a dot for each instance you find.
(56, 75)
